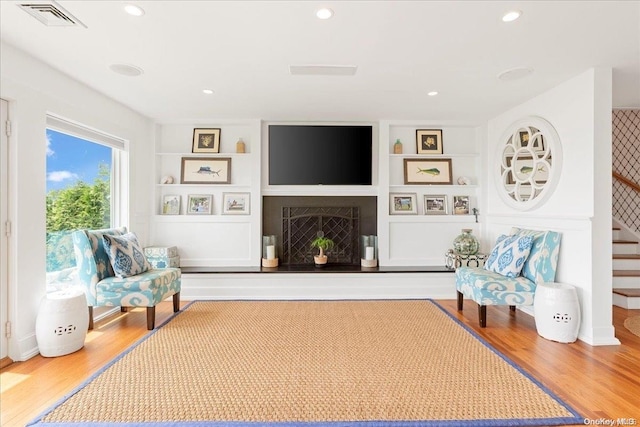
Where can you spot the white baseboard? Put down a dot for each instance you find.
(300, 286)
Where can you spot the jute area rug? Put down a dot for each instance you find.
(633, 325)
(325, 363)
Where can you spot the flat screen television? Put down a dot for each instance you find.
(320, 155)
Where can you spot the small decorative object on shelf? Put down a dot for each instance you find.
(464, 180)
(369, 251)
(397, 147)
(269, 251)
(240, 147)
(323, 244)
(466, 243)
(168, 179)
(453, 260)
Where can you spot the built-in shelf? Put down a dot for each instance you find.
(205, 185)
(183, 154)
(434, 156)
(433, 218)
(202, 218)
(401, 188)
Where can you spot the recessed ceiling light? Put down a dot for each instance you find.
(324, 13)
(432, 93)
(512, 15)
(515, 73)
(126, 69)
(133, 10)
(207, 91)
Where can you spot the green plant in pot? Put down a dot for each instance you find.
(323, 244)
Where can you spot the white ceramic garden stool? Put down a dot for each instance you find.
(557, 312)
(62, 322)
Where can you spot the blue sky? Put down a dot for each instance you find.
(70, 159)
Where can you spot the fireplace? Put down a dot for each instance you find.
(297, 220)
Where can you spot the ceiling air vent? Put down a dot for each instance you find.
(51, 13)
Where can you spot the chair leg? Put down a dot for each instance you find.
(124, 309)
(460, 301)
(176, 302)
(482, 314)
(151, 318)
(90, 317)
(512, 308)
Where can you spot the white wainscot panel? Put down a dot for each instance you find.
(423, 243)
(205, 244)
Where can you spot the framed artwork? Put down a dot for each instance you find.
(206, 141)
(537, 144)
(235, 203)
(427, 171)
(199, 204)
(461, 205)
(435, 205)
(171, 205)
(204, 170)
(523, 167)
(429, 141)
(403, 204)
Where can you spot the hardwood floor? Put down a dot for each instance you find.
(599, 382)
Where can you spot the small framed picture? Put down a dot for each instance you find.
(429, 141)
(461, 205)
(537, 143)
(206, 141)
(171, 205)
(427, 171)
(403, 204)
(199, 204)
(235, 203)
(203, 170)
(435, 205)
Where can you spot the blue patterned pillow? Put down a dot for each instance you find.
(509, 254)
(126, 255)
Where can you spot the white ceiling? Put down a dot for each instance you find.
(403, 49)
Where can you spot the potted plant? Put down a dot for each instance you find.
(323, 244)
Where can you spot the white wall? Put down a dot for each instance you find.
(34, 89)
(580, 207)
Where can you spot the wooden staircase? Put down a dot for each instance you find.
(626, 271)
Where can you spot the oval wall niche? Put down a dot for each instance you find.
(528, 163)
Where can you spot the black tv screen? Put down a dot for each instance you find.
(320, 155)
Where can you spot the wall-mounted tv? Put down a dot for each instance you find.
(320, 155)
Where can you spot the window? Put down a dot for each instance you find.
(84, 178)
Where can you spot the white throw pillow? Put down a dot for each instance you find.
(126, 255)
(509, 254)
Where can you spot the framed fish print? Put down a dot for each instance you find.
(427, 171)
(435, 205)
(403, 204)
(205, 170)
(429, 141)
(206, 141)
(523, 168)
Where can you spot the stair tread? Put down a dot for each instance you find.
(626, 273)
(626, 256)
(627, 292)
(626, 242)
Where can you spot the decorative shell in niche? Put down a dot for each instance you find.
(167, 180)
(463, 180)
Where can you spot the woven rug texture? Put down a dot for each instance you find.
(633, 324)
(312, 361)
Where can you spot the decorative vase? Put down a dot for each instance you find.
(240, 147)
(397, 147)
(466, 243)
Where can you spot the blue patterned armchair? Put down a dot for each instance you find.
(102, 285)
(490, 288)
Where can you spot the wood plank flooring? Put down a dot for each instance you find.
(599, 382)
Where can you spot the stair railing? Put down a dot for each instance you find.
(626, 181)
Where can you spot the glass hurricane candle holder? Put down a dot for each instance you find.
(368, 251)
(269, 251)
